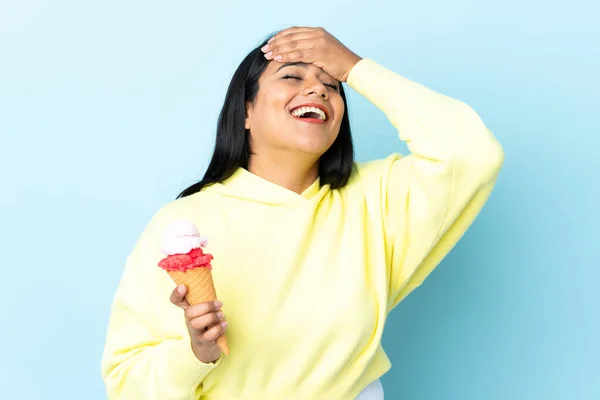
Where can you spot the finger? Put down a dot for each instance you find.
(214, 332)
(301, 45)
(198, 310)
(178, 296)
(294, 29)
(206, 321)
(305, 55)
(292, 39)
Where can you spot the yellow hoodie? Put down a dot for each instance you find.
(307, 280)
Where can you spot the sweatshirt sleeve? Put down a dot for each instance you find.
(427, 199)
(148, 354)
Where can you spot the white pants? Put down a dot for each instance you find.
(372, 392)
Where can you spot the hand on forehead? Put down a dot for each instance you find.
(314, 47)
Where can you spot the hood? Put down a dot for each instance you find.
(245, 185)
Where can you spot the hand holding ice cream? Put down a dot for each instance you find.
(205, 323)
(188, 265)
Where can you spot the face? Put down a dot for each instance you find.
(298, 108)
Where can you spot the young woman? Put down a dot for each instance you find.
(311, 250)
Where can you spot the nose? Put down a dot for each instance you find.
(315, 87)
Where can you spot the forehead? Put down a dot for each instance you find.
(275, 67)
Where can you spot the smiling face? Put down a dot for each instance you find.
(298, 108)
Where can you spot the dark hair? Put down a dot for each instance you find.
(232, 146)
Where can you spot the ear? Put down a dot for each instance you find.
(247, 123)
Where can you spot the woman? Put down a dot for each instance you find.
(311, 250)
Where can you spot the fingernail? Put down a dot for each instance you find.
(224, 324)
(220, 315)
(180, 289)
(269, 54)
(278, 58)
(265, 48)
(218, 304)
(271, 40)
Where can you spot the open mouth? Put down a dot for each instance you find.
(310, 114)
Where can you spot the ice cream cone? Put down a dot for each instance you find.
(200, 289)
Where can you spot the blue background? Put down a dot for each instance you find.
(108, 110)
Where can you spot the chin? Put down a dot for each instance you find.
(313, 146)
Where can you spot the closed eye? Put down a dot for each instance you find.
(334, 87)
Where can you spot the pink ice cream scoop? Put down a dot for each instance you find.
(181, 237)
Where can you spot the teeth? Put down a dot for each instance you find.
(298, 112)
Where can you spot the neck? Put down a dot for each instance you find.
(295, 175)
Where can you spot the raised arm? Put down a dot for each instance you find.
(429, 198)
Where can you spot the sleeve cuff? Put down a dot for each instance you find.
(387, 89)
(372, 79)
(357, 71)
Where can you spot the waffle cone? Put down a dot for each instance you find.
(200, 289)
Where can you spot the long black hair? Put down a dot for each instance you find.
(232, 146)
